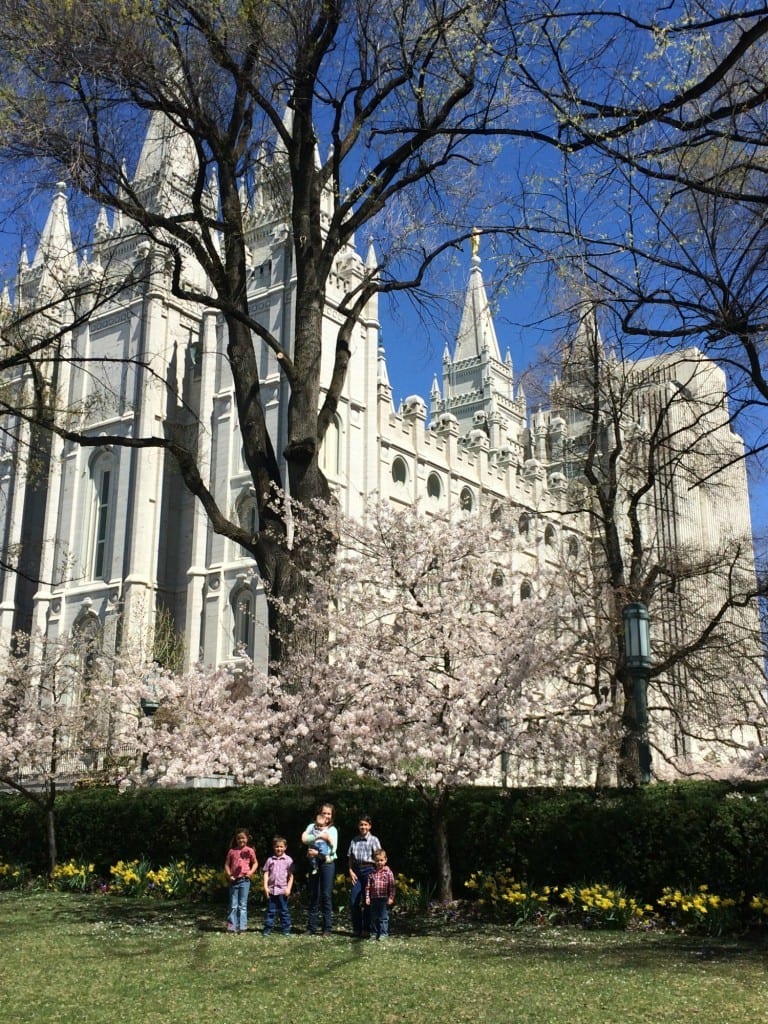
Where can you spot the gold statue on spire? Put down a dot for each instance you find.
(475, 241)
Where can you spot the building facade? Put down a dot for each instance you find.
(98, 539)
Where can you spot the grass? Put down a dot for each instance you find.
(97, 959)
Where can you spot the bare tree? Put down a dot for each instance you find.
(646, 436)
(660, 199)
(334, 113)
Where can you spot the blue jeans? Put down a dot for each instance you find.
(277, 904)
(361, 915)
(379, 918)
(238, 904)
(321, 897)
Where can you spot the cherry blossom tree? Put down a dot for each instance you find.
(210, 722)
(68, 713)
(437, 668)
(64, 718)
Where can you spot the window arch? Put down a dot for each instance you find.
(247, 511)
(243, 610)
(399, 471)
(330, 450)
(526, 590)
(466, 500)
(87, 637)
(103, 474)
(497, 578)
(573, 548)
(434, 487)
(524, 526)
(550, 536)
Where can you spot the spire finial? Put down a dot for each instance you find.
(475, 243)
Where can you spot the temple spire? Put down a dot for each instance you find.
(167, 167)
(56, 240)
(477, 334)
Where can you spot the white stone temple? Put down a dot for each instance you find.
(98, 539)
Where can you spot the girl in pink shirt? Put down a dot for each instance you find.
(240, 864)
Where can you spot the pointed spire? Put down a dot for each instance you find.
(446, 354)
(101, 228)
(586, 350)
(257, 176)
(382, 374)
(371, 259)
(477, 334)
(23, 260)
(281, 152)
(211, 200)
(56, 239)
(242, 195)
(167, 165)
(435, 392)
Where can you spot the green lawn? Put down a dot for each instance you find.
(105, 960)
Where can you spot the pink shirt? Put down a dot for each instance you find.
(278, 870)
(239, 862)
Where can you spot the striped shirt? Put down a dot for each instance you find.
(362, 849)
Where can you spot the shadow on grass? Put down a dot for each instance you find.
(633, 950)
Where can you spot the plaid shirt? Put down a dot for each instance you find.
(380, 885)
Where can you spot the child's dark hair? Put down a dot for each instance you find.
(279, 839)
(364, 817)
(236, 833)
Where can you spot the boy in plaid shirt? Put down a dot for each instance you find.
(380, 895)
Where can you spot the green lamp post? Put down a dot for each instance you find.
(637, 652)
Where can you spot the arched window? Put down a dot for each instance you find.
(103, 489)
(330, 451)
(466, 500)
(86, 633)
(526, 590)
(243, 633)
(573, 549)
(524, 526)
(248, 513)
(434, 487)
(550, 536)
(399, 471)
(497, 578)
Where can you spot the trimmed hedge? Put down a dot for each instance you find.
(682, 834)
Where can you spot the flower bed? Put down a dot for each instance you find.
(496, 895)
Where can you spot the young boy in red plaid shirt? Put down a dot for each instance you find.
(380, 895)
